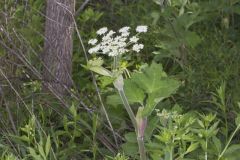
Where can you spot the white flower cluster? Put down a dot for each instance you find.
(113, 44)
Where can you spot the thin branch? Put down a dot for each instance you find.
(81, 8)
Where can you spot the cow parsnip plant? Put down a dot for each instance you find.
(146, 88)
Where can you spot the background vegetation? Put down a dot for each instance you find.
(196, 41)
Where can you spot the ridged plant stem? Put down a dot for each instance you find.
(141, 148)
(128, 108)
(140, 139)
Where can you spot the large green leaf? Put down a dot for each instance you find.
(155, 83)
(149, 79)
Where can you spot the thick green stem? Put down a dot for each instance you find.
(141, 148)
(140, 138)
(229, 141)
(128, 108)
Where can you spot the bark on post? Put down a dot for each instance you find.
(57, 55)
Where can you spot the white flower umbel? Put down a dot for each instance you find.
(124, 29)
(113, 44)
(141, 29)
(94, 49)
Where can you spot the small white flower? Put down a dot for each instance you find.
(102, 31)
(92, 41)
(124, 29)
(94, 49)
(141, 29)
(137, 47)
(134, 39)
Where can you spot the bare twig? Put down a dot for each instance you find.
(81, 8)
